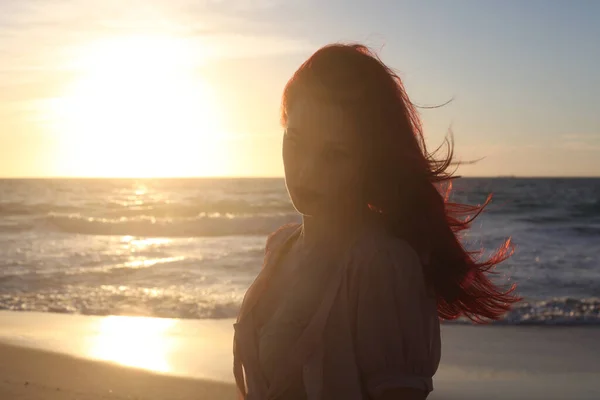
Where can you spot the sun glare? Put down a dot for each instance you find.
(139, 108)
(134, 341)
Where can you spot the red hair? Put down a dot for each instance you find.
(404, 179)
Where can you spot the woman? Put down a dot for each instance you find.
(348, 303)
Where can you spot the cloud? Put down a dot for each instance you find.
(37, 34)
(571, 143)
(582, 136)
(580, 141)
(40, 40)
(581, 146)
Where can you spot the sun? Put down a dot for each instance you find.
(139, 108)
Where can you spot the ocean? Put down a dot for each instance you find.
(189, 248)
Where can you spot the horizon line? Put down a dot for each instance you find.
(509, 176)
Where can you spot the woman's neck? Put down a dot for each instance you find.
(334, 232)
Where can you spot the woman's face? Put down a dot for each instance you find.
(322, 159)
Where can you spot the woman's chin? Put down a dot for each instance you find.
(306, 210)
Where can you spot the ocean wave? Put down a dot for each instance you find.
(156, 302)
(586, 209)
(587, 230)
(122, 300)
(201, 225)
(192, 208)
(150, 208)
(551, 312)
(16, 209)
(567, 228)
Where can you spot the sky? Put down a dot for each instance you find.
(106, 88)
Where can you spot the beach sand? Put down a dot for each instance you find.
(56, 357)
(27, 374)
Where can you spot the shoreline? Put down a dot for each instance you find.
(60, 357)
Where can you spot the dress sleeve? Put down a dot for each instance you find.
(279, 236)
(397, 335)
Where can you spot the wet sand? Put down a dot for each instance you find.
(56, 357)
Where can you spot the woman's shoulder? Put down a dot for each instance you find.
(384, 261)
(278, 236)
(382, 253)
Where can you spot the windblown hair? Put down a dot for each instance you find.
(407, 184)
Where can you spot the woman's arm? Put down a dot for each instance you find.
(397, 326)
